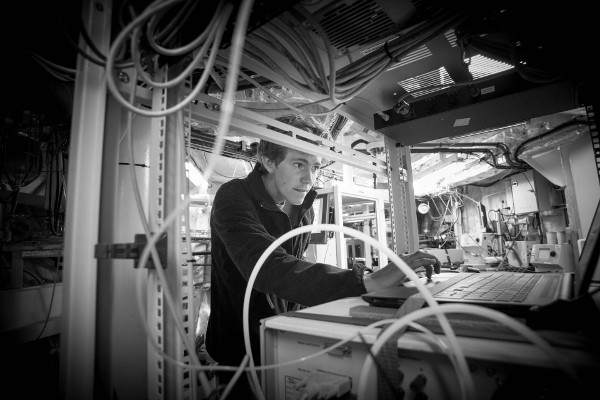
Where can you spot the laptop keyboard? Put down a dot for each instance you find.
(498, 286)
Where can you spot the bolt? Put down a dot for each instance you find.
(402, 108)
(99, 7)
(474, 91)
(123, 77)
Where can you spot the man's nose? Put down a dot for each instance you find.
(309, 177)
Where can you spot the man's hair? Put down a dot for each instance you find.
(276, 152)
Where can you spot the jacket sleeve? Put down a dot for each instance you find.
(245, 239)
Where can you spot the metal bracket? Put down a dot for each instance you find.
(132, 251)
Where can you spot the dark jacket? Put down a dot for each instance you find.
(244, 222)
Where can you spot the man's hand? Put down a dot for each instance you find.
(420, 259)
(391, 275)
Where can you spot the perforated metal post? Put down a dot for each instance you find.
(595, 136)
(155, 296)
(402, 200)
(166, 380)
(406, 240)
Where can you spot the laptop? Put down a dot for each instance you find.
(520, 291)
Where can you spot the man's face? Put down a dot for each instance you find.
(293, 177)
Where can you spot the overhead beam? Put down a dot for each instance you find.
(503, 101)
(253, 124)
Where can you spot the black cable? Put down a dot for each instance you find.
(34, 276)
(76, 47)
(519, 148)
(15, 202)
(356, 143)
(59, 214)
(32, 149)
(180, 18)
(49, 179)
(530, 184)
(88, 40)
(101, 58)
(56, 195)
(122, 8)
(51, 300)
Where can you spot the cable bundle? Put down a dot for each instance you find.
(205, 46)
(146, 43)
(292, 36)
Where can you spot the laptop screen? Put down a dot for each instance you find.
(588, 260)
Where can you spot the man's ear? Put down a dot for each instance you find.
(268, 164)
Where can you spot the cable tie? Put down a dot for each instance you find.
(387, 51)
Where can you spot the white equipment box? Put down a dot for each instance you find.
(552, 257)
(479, 243)
(497, 367)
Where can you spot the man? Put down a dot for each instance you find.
(247, 216)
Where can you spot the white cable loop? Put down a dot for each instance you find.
(408, 272)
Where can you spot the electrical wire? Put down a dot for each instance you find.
(324, 351)
(97, 57)
(188, 268)
(398, 262)
(155, 257)
(288, 36)
(222, 61)
(51, 301)
(122, 36)
(234, 379)
(218, 21)
(168, 32)
(227, 104)
(556, 129)
(554, 357)
(140, 279)
(59, 72)
(150, 248)
(354, 86)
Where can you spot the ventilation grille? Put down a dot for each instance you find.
(419, 54)
(481, 66)
(451, 37)
(356, 24)
(439, 79)
(422, 52)
(421, 82)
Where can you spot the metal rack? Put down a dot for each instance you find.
(342, 196)
(105, 347)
